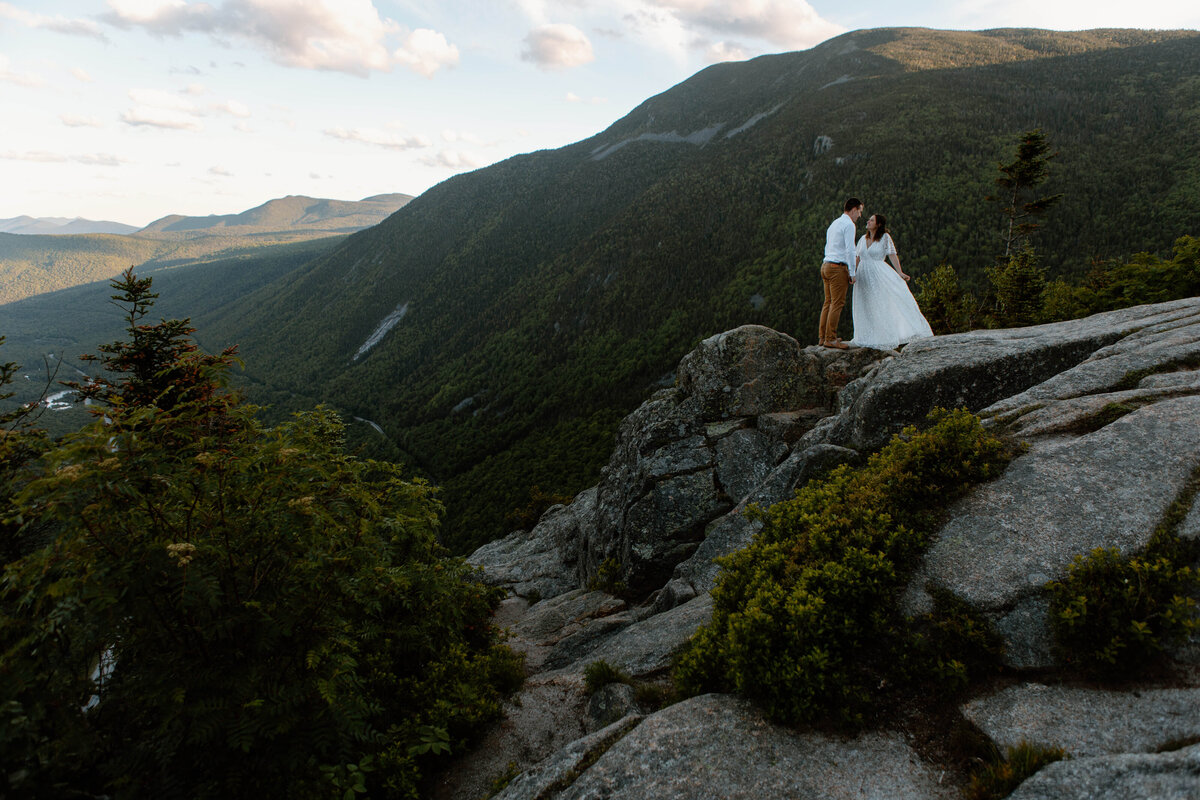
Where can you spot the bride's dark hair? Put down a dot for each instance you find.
(880, 227)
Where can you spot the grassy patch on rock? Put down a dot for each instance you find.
(998, 779)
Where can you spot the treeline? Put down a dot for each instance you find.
(1021, 293)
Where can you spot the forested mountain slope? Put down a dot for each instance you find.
(501, 323)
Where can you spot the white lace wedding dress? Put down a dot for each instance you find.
(884, 311)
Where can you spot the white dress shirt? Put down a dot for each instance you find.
(839, 242)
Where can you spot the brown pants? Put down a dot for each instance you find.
(836, 278)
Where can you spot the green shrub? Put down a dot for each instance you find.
(950, 644)
(1000, 778)
(608, 578)
(1114, 611)
(805, 618)
(599, 674)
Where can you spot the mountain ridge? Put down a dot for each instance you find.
(61, 226)
(293, 212)
(36, 263)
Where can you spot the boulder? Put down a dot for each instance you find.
(541, 562)
(749, 371)
(1158, 776)
(611, 702)
(569, 623)
(648, 647)
(559, 770)
(718, 746)
(689, 453)
(1085, 721)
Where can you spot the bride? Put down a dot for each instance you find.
(884, 311)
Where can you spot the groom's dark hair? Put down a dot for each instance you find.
(852, 204)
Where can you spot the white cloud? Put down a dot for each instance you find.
(558, 46)
(221, 171)
(788, 23)
(244, 127)
(39, 156)
(76, 121)
(453, 159)
(82, 75)
(19, 78)
(378, 138)
(592, 101)
(45, 157)
(724, 51)
(99, 160)
(160, 118)
(233, 108)
(58, 23)
(158, 109)
(157, 98)
(425, 51)
(339, 35)
(195, 89)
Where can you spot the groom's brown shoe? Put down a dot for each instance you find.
(838, 344)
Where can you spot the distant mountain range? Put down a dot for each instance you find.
(33, 262)
(61, 226)
(292, 213)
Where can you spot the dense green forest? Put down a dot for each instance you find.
(544, 297)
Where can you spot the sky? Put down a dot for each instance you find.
(129, 110)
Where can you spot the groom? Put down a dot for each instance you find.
(837, 273)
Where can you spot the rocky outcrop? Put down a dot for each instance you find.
(718, 746)
(1086, 721)
(1160, 776)
(693, 452)
(1109, 408)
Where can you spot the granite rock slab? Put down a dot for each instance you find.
(1160, 776)
(1085, 721)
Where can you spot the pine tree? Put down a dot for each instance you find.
(1019, 180)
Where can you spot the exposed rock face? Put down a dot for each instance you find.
(1161, 776)
(1009, 370)
(718, 746)
(1110, 409)
(541, 562)
(1088, 722)
(691, 453)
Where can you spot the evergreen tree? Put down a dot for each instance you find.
(948, 307)
(1019, 180)
(1019, 285)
